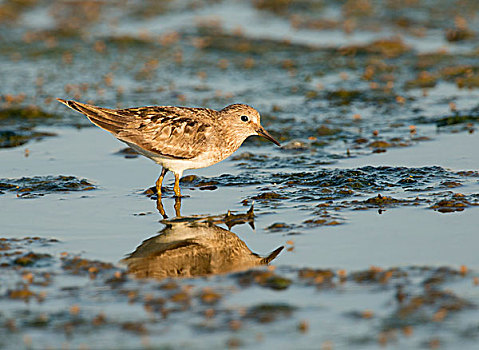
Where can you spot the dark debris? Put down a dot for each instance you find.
(33, 187)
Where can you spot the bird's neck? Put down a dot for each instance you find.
(231, 142)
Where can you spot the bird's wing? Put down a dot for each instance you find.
(170, 131)
(175, 132)
(103, 117)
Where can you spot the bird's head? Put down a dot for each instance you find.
(246, 121)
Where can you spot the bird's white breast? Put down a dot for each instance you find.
(179, 165)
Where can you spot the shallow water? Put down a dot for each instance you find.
(374, 194)
(86, 222)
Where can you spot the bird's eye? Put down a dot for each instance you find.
(244, 118)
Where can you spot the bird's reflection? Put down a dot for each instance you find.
(161, 209)
(195, 246)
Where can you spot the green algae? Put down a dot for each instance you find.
(10, 138)
(377, 81)
(28, 114)
(18, 125)
(30, 259)
(33, 187)
(412, 296)
(457, 119)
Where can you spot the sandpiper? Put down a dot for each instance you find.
(187, 249)
(178, 138)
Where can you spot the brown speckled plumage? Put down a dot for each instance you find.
(187, 250)
(178, 138)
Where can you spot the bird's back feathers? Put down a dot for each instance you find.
(175, 132)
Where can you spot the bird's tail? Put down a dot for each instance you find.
(272, 255)
(103, 117)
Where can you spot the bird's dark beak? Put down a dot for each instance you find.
(262, 132)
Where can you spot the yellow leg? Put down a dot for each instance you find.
(160, 208)
(177, 206)
(160, 181)
(177, 186)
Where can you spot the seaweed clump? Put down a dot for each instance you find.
(37, 186)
